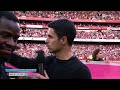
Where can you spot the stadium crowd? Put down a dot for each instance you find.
(81, 34)
(33, 33)
(43, 23)
(82, 51)
(96, 34)
(92, 15)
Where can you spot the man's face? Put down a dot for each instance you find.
(9, 34)
(53, 43)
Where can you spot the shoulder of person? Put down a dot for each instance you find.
(77, 59)
(80, 65)
(81, 70)
(50, 59)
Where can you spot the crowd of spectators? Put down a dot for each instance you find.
(98, 34)
(28, 49)
(33, 33)
(43, 23)
(91, 15)
(110, 52)
(81, 34)
(82, 51)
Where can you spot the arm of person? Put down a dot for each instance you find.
(22, 62)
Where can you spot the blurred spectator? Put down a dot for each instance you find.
(97, 55)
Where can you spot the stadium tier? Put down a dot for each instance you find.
(92, 26)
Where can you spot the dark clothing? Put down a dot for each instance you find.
(3, 74)
(55, 68)
(66, 69)
(22, 62)
(97, 59)
(9, 77)
(17, 61)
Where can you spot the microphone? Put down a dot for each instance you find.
(40, 59)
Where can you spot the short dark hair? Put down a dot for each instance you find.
(64, 27)
(9, 15)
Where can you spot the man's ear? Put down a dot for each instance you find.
(63, 40)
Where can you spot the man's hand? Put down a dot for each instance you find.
(35, 76)
(39, 76)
